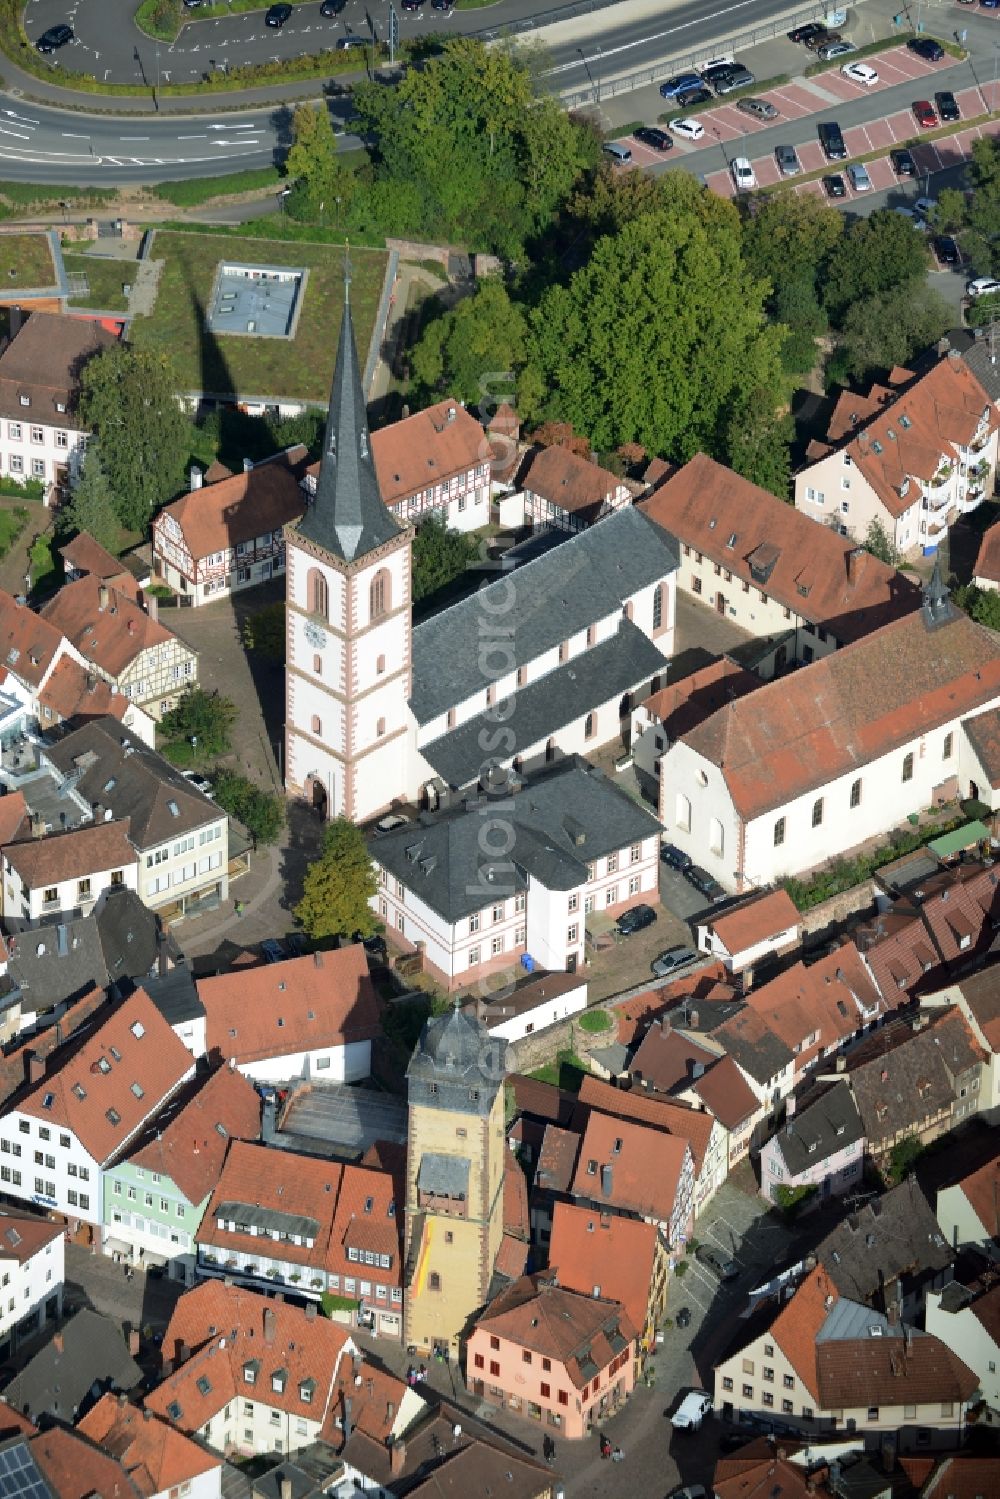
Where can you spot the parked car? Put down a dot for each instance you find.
(946, 249)
(54, 38)
(831, 138)
(704, 883)
(445, 5)
(683, 1318)
(818, 36)
(651, 135)
(671, 959)
(860, 72)
(691, 130)
(278, 15)
(346, 43)
(199, 782)
(834, 186)
(734, 79)
(902, 163)
(758, 109)
(926, 47)
(830, 50)
(295, 944)
(272, 950)
(332, 8)
(688, 1491)
(716, 70)
(807, 32)
(925, 113)
(947, 106)
(712, 1259)
(618, 153)
(743, 174)
(679, 85)
(983, 286)
(634, 919)
(390, 822)
(675, 857)
(788, 160)
(857, 176)
(691, 1412)
(692, 96)
(925, 206)
(911, 215)
(412, 4)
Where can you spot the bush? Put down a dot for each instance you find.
(842, 874)
(595, 1021)
(179, 753)
(27, 489)
(331, 1303)
(902, 1159)
(791, 1199)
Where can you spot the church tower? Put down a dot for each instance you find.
(455, 1153)
(348, 621)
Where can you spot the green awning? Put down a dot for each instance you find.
(960, 838)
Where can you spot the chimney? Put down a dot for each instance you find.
(36, 1067)
(58, 1342)
(841, 1063)
(268, 1325)
(195, 477)
(285, 1488)
(853, 563)
(147, 1414)
(347, 1419)
(182, 1351)
(16, 320)
(693, 1020)
(133, 1342)
(248, 465)
(122, 1401)
(102, 596)
(397, 1458)
(161, 952)
(606, 1183)
(310, 1311)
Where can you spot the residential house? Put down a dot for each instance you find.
(84, 1360)
(64, 1462)
(553, 1180)
(968, 1211)
(577, 846)
(838, 754)
(225, 536)
(66, 873)
(766, 1062)
(986, 569)
(821, 1007)
(308, 1225)
(162, 1462)
(621, 1259)
(725, 1093)
(155, 1194)
(976, 996)
(966, 1316)
(889, 1253)
(744, 936)
(631, 1168)
(83, 557)
(755, 560)
(91, 1102)
(180, 835)
(73, 695)
(310, 1017)
(368, 1401)
(819, 1150)
(32, 1271)
(820, 1362)
(435, 462)
(26, 1057)
(532, 1006)
(964, 1475)
(553, 1355)
(41, 434)
(915, 460)
(563, 490)
(250, 1375)
(124, 642)
(764, 1466)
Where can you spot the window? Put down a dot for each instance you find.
(612, 863)
(315, 725)
(319, 594)
(856, 793)
(788, 1381)
(908, 767)
(479, 1362)
(658, 607)
(525, 1356)
(380, 594)
(716, 836)
(873, 1413)
(589, 726)
(572, 935)
(767, 1397)
(379, 665)
(779, 832)
(949, 740)
(748, 1392)
(496, 946)
(50, 896)
(786, 1406)
(494, 1367)
(682, 813)
(434, 1281)
(817, 812)
(379, 727)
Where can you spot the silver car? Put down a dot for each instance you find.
(758, 109)
(788, 160)
(859, 178)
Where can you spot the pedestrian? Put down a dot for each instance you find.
(605, 1447)
(423, 1373)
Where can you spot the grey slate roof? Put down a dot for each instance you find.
(895, 1235)
(175, 995)
(751, 1044)
(93, 1360)
(129, 933)
(559, 822)
(829, 1123)
(446, 1174)
(456, 1065)
(347, 517)
(111, 767)
(977, 357)
(626, 660)
(541, 604)
(70, 962)
(914, 1080)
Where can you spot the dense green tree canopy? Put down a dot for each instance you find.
(873, 257)
(91, 505)
(127, 397)
(338, 885)
(465, 351)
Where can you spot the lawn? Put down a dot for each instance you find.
(106, 278)
(294, 368)
(567, 1072)
(12, 523)
(26, 261)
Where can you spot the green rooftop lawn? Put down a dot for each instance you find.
(26, 261)
(301, 367)
(106, 277)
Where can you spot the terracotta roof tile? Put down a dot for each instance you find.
(515, 1199)
(559, 1324)
(725, 1093)
(512, 1257)
(630, 1166)
(853, 409)
(76, 1016)
(798, 1322)
(988, 561)
(22, 1236)
(155, 1456)
(90, 849)
(85, 555)
(376, 1397)
(981, 1189)
(112, 637)
(834, 997)
(881, 1371)
(983, 733)
(762, 1475)
(763, 916)
(230, 508)
(667, 1058)
(367, 1219)
(13, 817)
(981, 992)
(673, 1118)
(811, 570)
(28, 643)
(76, 1469)
(556, 1159)
(959, 1476)
(323, 999)
(636, 1014)
(43, 361)
(572, 483)
(73, 692)
(683, 704)
(421, 450)
(589, 1249)
(189, 1146)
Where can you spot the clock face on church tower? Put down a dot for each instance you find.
(315, 635)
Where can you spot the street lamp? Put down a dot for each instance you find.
(595, 86)
(722, 145)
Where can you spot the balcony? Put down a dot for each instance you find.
(942, 476)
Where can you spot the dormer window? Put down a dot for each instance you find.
(278, 1379)
(61, 406)
(732, 540)
(25, 400)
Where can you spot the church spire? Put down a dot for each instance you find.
(348, 517)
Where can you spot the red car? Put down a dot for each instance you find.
(925, 112)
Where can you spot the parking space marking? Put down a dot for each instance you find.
(883, 175)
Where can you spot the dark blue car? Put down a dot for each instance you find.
(679, 85)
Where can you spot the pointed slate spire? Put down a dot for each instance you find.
(348, 517)
(937, 606)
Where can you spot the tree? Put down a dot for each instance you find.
(440, 555)
(261, 812)
(265, 631)
(880, 543)
(757, 441)
(338, 885)
(91, 505)
(205, 717)
(883, 253)
(483, 336)
(790, 237)
(982, 604)
(127, 397)
(311, 163)
(949, 212)
(883, 330)
(656, 338)
(796, 305)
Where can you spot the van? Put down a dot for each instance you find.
(619, 154)
(690, 1413)
(832, 141)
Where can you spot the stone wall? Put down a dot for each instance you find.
(828, 913)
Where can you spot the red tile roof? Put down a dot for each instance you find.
(761, 1475)
(85, 555)
(812, 570)
(666, 1114)
(572, 483)
(834, 997)
(76, 1016)
(189, 1147)
(73, 692)
(22, 1236)
(375, 1395)
(237, 507)
(93, 848)
(112, 637)
(76, 1469)
(725, 1093)
(848, 709)
(13, 817)
(630, 1166)
(798, 1322)
(559, 1324)
(683, 704)
(763, 916)
(983, 731)
(988, 562)
(591, 1249)
(133, 1049)
(880, 1371)
(634, 1015)
(324, 999)
(854, 409)
(981, 1189)
(28, 643)
(422, 450)
(512, 1257)
(556, 1159)
(43, 361)
(155, 1456)
(667, 1058)
(515, 1199)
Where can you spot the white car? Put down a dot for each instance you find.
(690, 130)
(860, 72)
(743, 175)
(982, 286)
